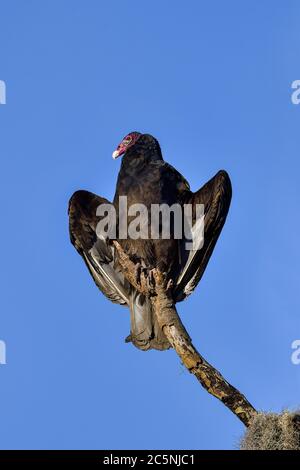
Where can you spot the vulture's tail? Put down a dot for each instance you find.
(145, 332)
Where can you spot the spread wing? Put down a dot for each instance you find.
(96, 252)
(215, 195)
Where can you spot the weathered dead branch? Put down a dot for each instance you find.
(169, 321)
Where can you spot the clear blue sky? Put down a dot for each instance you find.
(212, 81)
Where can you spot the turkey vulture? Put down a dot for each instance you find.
(146, 178)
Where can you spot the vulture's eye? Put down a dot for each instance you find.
(127, 141)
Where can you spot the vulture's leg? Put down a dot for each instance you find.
(144, 278)
(148, 278)
(215, 195)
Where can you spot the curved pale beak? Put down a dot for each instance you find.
(115, 154)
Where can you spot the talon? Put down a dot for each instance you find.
(138, 271)
(151, 278)
(151, 282)
(143, 279)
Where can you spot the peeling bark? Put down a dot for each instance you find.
(169, 321)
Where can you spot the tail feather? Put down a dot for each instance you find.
(145, 331)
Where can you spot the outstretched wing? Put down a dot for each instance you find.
(97, 254)
(215, 195)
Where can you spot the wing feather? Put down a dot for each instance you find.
(97, 254)
(215, 195)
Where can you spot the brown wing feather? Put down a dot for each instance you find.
(216, 197)
(96, 253)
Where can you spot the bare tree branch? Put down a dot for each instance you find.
(169, 321)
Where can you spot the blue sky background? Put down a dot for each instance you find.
(212, 81)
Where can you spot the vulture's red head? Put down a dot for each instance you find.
(128, 141)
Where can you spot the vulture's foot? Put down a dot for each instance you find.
(163, 282)
(145, 278)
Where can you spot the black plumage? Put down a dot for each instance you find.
(146, 178)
